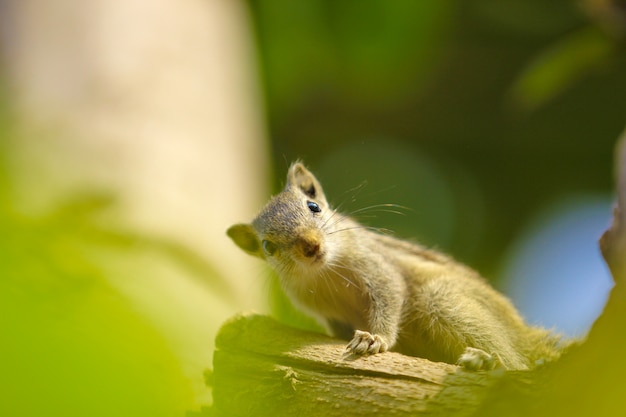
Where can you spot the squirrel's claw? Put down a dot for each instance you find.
(365, 343)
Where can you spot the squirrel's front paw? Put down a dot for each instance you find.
(366, 343)
(476, 360)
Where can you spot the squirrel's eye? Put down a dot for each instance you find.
(313, 207)
(269, 248)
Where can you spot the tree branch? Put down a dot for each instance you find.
(613, 241)
(262, 365)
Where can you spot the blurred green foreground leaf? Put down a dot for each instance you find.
(71, 344)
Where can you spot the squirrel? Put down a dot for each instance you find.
(383, 293)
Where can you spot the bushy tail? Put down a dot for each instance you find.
(543, 346)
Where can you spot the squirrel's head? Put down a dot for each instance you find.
(289, 232)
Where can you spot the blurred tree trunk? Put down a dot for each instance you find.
(156, 105)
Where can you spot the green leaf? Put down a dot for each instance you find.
(560, 66)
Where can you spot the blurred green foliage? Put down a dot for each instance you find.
(363, 53)
(506, 104)
(71, 344)
(560, 66)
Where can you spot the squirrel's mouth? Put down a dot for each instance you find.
(318, 260)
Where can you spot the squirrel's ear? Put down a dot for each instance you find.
(244, 236)
(300, 177)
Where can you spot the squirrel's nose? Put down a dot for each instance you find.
(309, 246)
(310, 249)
